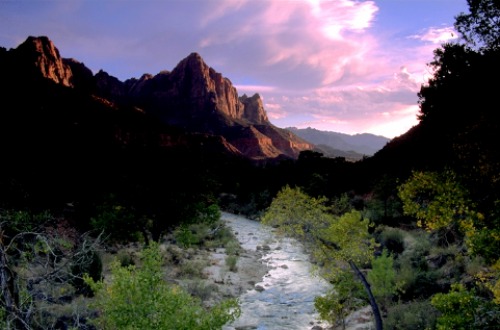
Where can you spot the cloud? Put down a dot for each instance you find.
(437, 35)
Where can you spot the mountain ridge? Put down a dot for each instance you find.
(193, 97)
(350, 146)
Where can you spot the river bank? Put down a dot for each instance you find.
(272, 279)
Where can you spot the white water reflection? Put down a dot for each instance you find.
(284, 299)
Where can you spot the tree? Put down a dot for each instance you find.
(336, 242)
(139, 298)
(458, 104)
(382, 277)
(481, 26)
(438, 201)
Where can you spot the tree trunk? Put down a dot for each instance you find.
(373, 303)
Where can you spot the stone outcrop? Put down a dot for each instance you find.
(39, 55)
(254, 109)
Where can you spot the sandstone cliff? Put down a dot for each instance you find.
(39, 55)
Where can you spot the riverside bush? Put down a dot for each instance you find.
(231, 263)
(416, 315)
(139, 298)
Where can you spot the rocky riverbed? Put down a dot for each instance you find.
(272, 279)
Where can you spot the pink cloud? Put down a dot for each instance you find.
(437, 35)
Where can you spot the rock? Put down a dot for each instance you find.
(254, 109)
(40, 56)
(259, 288)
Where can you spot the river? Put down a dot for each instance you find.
(284, 299)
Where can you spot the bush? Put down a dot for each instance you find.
(192, 268)
(231, 263)
(201, 290)
(139, 298)
(185, 237)
(393, 240)
(233, 247)
(118, 222)
(415, 315)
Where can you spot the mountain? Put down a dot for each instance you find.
(352, 146)
(196, 98)
(193, 98)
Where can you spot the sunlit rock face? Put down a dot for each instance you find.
(254, 109)
(40, 55)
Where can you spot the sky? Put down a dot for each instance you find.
(346, 66)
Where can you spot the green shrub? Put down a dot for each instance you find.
(233, 247)
(347, 296)
(393, 240)
(416, 315)
(118, 222)
(185, 237)
(139, 298)
(382, 278)
(231, 263)
(201, 290)
(192, 268)
(125, 259)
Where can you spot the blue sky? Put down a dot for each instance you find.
(338, 65)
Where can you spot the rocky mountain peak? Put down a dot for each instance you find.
(254, 109)
(41, 54)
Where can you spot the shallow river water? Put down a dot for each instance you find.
(284, 299)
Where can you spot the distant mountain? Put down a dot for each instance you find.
(351, 145)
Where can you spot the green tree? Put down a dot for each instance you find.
(382, 277)
(438, 201)
(139, 298)
(335, 242)
(463, 309)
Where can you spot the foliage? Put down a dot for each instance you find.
(295, 213)
(336, 242)
(382, 278)
(392, 239)
(210, 215)
(340, 205)
(346, 296)
(138, 298)
(231, 262)
(185, 237)
(349, 233)
(414, 315)
(464, 309)
(438, 201)
(36, 255)
(481, 26)
(117, 221)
